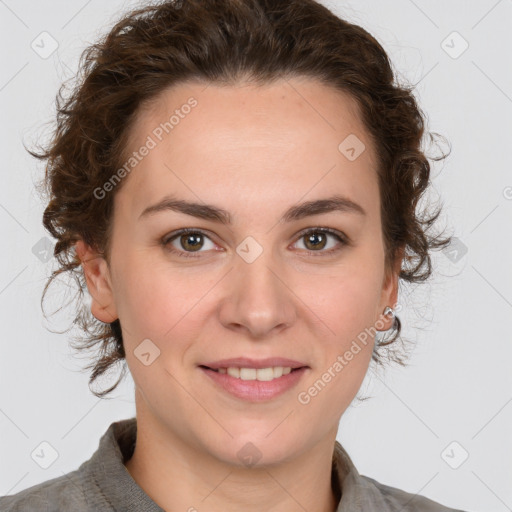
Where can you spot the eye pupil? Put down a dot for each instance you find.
(315, 236)
(196, 242)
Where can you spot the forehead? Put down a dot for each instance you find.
(280, 141)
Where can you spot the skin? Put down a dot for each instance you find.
(254, 151)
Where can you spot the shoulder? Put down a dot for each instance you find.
(397, 499)
(100, 483)
(363, 493)
(58, 494)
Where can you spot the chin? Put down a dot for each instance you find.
(256, 451)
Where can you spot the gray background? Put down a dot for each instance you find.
(458, 385)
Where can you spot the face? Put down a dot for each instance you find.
(265, 285)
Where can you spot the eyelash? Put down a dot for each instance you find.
(339, 236)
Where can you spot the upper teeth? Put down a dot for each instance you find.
(264, 374)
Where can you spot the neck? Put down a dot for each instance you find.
(179, 476)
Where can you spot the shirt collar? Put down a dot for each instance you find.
(358, 493)
(106, 466)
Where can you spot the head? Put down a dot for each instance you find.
(268, 125)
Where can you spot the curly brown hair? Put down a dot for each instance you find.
(159, 45)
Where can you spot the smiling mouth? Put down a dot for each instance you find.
(260, 374)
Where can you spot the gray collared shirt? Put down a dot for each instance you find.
(103, 483)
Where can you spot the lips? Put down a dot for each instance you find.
(245, 362)
(251, 389)
(254, 380)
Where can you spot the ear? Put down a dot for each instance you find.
(389, 296)
(97, 277)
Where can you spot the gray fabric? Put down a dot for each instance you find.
(103, 483)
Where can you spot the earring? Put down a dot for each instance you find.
(391, 311)
(388, 311)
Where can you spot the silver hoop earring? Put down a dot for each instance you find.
(391, 311)
(388, 311)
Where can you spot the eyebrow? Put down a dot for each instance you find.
(214, 213)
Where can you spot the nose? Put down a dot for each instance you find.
(258, 300)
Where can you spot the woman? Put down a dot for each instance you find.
(236, 184)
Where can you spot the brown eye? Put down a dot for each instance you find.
(191, 241)
(315, 240)
(186, 242)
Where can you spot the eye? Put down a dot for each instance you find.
(316, 240)
(190, 240)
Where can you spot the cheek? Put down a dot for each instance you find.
(148, 299)
(348, 309)
(156, 300)
(345, 355)
(348, 301)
